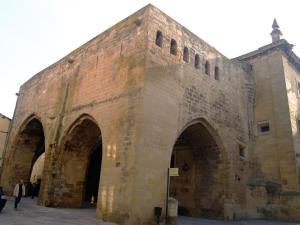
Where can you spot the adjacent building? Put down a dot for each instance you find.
(4, 125)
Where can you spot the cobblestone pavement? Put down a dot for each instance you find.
(31, 214)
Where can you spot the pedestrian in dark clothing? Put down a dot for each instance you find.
(32, 190)
(37, 187)
(2, 199)
(1, 192)
(30, 186)
(19, 192)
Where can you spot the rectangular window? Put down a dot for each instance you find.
(263, 128)
(298, 88)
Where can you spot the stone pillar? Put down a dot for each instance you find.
(46, 190)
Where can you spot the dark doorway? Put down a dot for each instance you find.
(93, 176)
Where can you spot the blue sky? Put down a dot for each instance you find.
(36, 33)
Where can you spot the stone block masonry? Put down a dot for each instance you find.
(145, 95)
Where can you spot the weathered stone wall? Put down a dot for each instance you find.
(292, 78)
(275, 148)
(103, 79)
(176, 94)
(275, 182)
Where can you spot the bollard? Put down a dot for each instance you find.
(172, 211)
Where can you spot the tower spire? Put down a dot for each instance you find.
(276, 33)
(275, 24)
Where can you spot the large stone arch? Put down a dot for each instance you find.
(202, 187)
(79, 148)
(24, 149)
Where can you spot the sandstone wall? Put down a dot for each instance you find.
(103, 79)
(292, 78)
(274, 148)
(176, 94)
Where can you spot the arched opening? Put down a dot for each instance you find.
(159, 39)
(217, 73)
(173, 47)
(186, 54)
(200, 186)
(80, 166)
(197, 61)
(207, 68)
(29, 146)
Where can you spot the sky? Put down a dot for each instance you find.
(36, 33)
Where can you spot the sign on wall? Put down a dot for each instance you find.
(173, 172)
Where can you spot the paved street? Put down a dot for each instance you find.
(196, 221)
(32, 214)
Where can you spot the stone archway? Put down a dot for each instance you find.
(80, 165)
(28, 146)
(201, 187)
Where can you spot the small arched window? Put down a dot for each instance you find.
(186, 55)
(159, 39)
(217, 73)
(197, 61)
(173, 47)
(207, 69)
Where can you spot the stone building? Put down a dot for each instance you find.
(147, 94)
(4, 125)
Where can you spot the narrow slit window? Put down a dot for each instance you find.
(197, 61)
(207, 69)
(298, 88)
(217, 73)
(159, 39)
(298, 125)
(242, 151)
(186, 54)
(173, 47)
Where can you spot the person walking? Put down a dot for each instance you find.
(19, 192)
(30, 187)
(32, 190)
